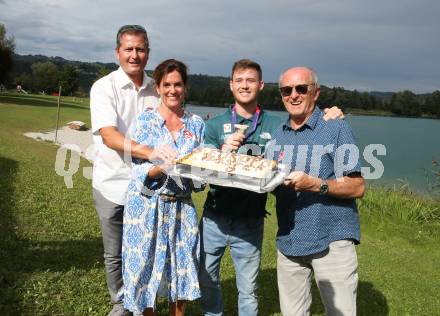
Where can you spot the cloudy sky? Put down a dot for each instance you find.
(382, 45)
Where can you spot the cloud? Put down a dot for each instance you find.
(374, 45)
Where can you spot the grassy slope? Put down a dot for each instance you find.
(50, 246)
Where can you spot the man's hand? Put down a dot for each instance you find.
(113, 139)
(333, 113)
(163, 155)
(233, 142)
(347, 187)
(300, 182)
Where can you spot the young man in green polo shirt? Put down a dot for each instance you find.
(231, 216)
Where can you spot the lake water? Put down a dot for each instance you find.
(411, 144)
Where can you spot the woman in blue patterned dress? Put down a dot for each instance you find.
(160, 250)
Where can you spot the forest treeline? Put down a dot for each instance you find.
(42, 74)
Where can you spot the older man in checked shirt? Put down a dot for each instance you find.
(316, 210)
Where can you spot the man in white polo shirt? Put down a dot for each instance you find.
(116, 100)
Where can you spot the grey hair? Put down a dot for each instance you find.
(315, 80)
(136, 29)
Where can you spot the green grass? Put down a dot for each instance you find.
(51, 253)
(375, 112)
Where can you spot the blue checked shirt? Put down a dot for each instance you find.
(308, 222)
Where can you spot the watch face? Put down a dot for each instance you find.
(323, 189)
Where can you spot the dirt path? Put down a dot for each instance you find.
(67, 137)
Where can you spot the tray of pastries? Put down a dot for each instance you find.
(231, 169)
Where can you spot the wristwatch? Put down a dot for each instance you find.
(323, 188)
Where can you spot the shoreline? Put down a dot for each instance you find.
(349, 111)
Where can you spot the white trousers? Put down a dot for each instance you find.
(335, 271)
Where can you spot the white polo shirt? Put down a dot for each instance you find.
(114, 101)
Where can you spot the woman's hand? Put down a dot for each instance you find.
(163, 155)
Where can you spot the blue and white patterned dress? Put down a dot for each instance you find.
(160, 249)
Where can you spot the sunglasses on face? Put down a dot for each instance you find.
(300, 89)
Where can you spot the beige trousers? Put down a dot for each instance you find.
(335, 271)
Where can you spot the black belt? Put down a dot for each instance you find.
(174, 198)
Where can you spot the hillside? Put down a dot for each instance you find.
(39, 73)
(88, 72)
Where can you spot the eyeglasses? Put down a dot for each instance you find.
(300, 89)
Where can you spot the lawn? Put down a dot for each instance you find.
(51, 253)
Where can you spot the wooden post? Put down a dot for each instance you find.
(58, 114)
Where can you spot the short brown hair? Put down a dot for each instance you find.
(244, 64)
(132, 29)
(168, 66)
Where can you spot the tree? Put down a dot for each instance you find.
(326, 96)
(368, 102)
(432, 104)
(69, 80)
(46, 77)
(341, 98)
(7, 48)
(25, 80)
(102, 71)
(355, 100)
(405, 103)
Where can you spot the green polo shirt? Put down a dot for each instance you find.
(231, 201)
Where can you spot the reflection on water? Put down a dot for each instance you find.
(412, 144)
